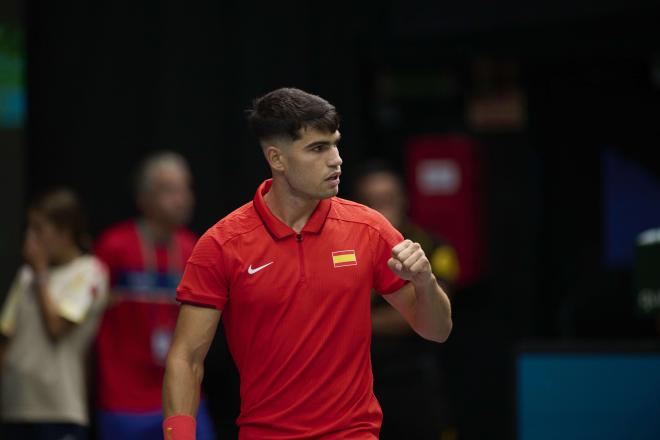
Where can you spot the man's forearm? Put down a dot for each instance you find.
(432, 311)
(181, 387)
(184, 370)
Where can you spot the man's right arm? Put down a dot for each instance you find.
(184, 370)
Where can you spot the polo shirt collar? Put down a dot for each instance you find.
(276, 226)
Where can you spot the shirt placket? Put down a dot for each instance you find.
(301, 256)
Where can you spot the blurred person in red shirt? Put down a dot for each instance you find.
(146, 257)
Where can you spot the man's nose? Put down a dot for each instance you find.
(335, 160)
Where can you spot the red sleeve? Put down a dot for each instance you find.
(204, 281)
(386, 237)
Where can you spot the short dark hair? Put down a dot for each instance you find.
(62, 208)
(283, 112)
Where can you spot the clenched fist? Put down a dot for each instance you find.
(410, 263)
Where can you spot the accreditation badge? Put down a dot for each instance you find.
(160, 344)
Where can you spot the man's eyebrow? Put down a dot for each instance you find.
(319, 143)
(315, 143)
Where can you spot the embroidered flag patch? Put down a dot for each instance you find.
(344, 258)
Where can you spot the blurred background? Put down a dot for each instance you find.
(526, 133)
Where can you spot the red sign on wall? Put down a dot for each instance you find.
(444, 183)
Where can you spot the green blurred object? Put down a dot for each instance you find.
(12, 89)
(647, 272)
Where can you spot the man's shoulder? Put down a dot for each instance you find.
(353, 212)
(356, 214)
(117, 234)
(213, 242)
(241, 221)
(119, 229)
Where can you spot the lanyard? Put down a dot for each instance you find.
(148, 248)
(161, 326)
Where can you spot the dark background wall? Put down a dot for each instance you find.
(110, 81)
(12, 183)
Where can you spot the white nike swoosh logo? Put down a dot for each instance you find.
(257, 269)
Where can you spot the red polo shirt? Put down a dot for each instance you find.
(296, 311)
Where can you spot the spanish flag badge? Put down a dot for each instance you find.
(344, 258)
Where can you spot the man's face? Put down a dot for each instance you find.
(382, 192)
(168, 197)
(311, 165)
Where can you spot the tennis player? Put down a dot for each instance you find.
(291, 273)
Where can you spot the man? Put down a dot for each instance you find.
(291, 273)
(146, 257)
(408, 380)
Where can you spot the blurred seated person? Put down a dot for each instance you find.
(407, 375)
(49, 320)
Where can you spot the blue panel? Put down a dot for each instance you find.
(588, 396)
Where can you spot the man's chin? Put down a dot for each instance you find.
(330, 193)
(320, 193)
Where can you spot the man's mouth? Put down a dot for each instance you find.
(333, 177)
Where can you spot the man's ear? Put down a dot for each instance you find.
(275, 158)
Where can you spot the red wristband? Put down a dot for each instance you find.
(179, 427)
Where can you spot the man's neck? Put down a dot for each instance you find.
(293, 210)
(157, 231)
